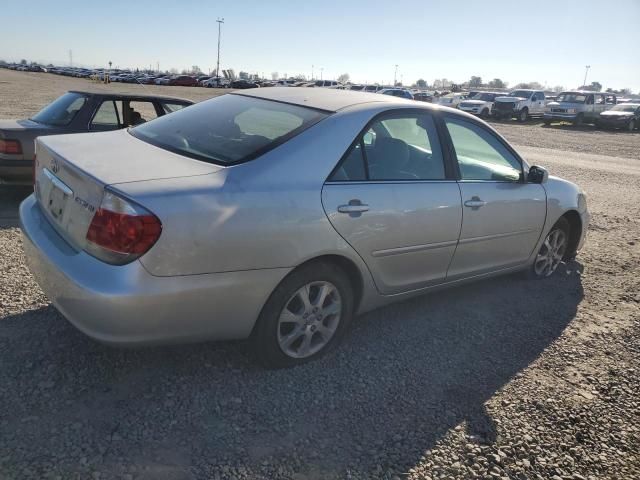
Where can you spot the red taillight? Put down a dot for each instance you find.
(121, 231)
(10, 147)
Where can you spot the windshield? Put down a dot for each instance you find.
(569, 97)
(228, 129)
(625, 107)
(62, 111)
(520, 93)
(485, 97)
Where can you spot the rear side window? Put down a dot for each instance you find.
(400, 147)
(228, 129)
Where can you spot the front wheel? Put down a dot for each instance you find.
(631, 126)
(306, 316)
(523, 115)
(485, 113)
(552, 250)
(579, 120)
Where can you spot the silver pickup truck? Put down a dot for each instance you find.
(578, 107)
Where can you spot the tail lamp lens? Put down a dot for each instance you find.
(10, 147)
(121, 231)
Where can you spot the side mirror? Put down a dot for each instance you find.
(537, 175)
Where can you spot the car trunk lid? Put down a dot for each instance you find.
(72, 171)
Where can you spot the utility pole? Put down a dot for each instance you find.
(321, 72)
(70, 58)
(312, 73)
(586, 70)
(220, 22)
(395, 76)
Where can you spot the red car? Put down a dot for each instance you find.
(184, 81)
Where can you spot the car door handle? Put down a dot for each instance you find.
(353, 208)
(475, 202)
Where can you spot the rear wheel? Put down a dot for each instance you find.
(552, 250)
(306, 316)
(547, 121)
(485, 113)
(523, 116)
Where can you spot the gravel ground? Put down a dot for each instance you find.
(503, 379)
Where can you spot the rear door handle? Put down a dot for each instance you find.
(475, 202)
(353, 208)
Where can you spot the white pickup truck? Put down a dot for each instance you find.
(521, 104)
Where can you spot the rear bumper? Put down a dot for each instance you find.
(125, 305)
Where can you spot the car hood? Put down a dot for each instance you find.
(620, 114)
(119, 157)
(510, 99)
(474, 102)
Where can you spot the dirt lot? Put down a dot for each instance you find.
(504, 379)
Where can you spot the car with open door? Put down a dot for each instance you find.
(74, 112)
(277, 214)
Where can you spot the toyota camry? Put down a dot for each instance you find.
(279, 214)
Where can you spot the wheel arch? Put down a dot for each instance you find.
(575, 232)
(350, 269)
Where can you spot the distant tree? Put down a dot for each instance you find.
(275, 75)
(300, 77)
(475, 82)
(441, 83)
(497, 83)
(421, 83)
(625, 91)
(558, 88)
(23, 62)
(594, 87)
(50, 65)
(530, 85)
(344, 78)
(195, 69)
(173, 71)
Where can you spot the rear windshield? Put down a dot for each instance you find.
(228, 129)
(61, 111)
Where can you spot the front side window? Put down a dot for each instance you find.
(228, 129)
(172, 107)
(62, 111)
(399, 147)
(482, 156)
(599, 100)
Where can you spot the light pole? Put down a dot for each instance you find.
(321, 71)
(395, 76)
(312, 73)
(586, 70)
(220, 22)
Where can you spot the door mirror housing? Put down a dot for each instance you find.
(537, 175)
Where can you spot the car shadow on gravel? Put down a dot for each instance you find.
(405, 375)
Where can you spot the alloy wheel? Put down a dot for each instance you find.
(551, 253)
(309, 319)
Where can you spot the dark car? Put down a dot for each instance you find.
(623, 115)
(240, 84)
(183, 81)
(423, 97)
(74, 112)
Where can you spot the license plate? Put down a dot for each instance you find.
(58, 195)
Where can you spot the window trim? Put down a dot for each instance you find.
(449, 173)
(498, 137)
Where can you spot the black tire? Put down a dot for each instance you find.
(264, 338)
(579, 120)
(563, 225)
(485, 113)
(547, 122)
(523, 115)
(631, 126)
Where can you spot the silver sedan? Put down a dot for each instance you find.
(279, 214)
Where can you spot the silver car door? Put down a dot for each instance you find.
(391, 199)
(503, 216)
